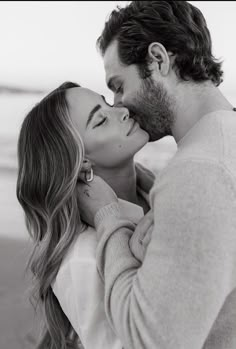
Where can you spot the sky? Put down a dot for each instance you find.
(44, 43)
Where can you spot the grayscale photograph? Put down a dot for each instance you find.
(117, 175)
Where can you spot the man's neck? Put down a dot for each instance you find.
(195, 101)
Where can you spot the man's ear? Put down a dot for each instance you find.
(159, 58)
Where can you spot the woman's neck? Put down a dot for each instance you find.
(122, 180)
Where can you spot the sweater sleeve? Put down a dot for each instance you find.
(172, 300)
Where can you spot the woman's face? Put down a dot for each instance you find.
(105, 130)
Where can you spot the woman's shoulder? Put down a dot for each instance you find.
(80, 260)
(83, 249)
(80, 256)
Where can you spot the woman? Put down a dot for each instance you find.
(70, 134)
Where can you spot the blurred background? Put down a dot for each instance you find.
(44, 44)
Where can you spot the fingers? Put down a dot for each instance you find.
(144, 225)
(148, 235)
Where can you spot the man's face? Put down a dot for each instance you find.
(147, 100)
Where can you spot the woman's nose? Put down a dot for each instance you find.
(124, 114)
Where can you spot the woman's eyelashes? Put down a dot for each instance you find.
(101, 122)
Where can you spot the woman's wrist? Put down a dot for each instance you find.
(107, 212)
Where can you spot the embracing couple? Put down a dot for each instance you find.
(122, 259)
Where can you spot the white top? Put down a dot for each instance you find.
(80, 290)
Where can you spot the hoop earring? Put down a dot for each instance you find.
(90, 178)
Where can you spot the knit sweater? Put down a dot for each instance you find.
(183, 295)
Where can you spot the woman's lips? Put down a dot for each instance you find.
(132, 128)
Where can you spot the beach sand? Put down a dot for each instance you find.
(19, 327)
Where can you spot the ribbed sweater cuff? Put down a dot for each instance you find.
(106, 213)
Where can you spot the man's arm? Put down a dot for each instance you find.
(173, 298)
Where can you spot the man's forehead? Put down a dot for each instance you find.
(111, 61)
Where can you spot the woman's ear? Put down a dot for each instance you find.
(86, 166)
(159, 58)
(86, 171)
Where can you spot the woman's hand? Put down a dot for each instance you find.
(92, 197)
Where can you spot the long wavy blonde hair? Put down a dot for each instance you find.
(50, 155)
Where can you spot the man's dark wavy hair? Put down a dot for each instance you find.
(179, 26)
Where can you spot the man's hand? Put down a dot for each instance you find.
(142, 236)
(92, 196)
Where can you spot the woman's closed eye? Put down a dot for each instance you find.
(101, 122)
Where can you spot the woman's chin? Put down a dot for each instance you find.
(142, 144)
(144, 136)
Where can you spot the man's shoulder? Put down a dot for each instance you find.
(207, 150)
(213, 138)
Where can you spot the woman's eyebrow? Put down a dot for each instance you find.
(94, 110)
(92, 113)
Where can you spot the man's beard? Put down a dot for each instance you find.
(153, 110)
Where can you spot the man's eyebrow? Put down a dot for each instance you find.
(92, 113)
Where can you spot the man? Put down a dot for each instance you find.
(159, 64)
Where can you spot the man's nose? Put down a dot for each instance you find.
(117, 101)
